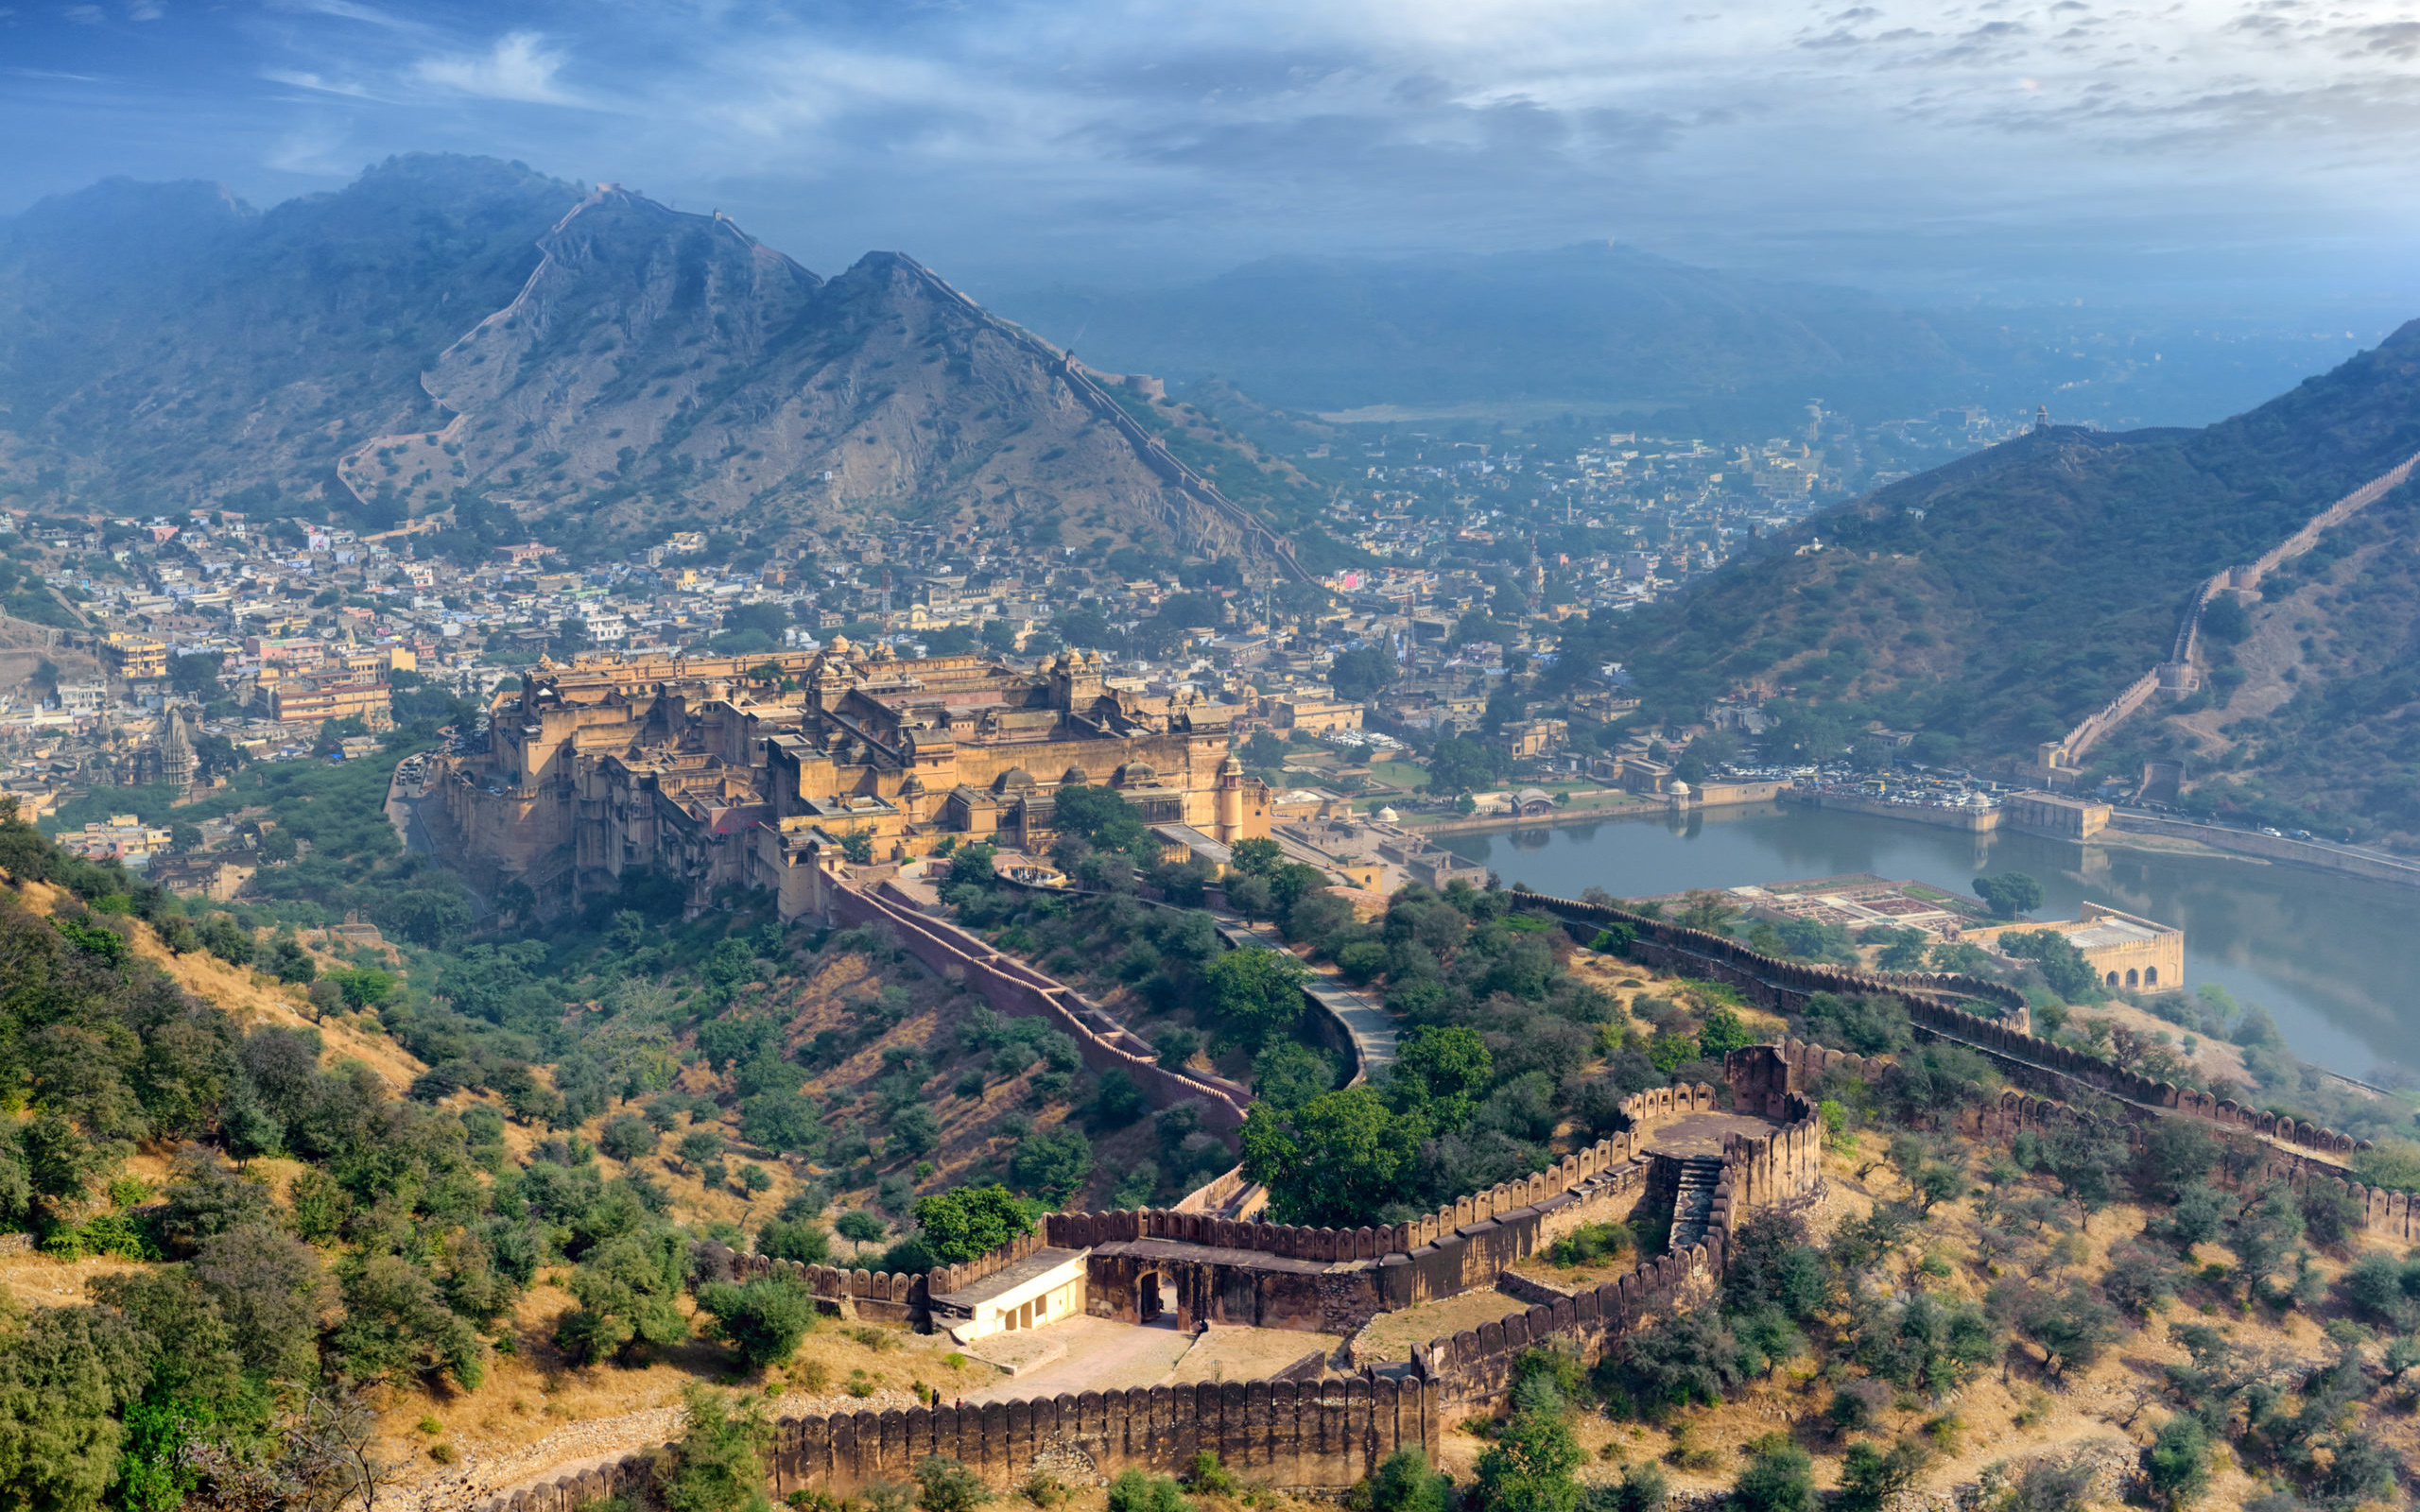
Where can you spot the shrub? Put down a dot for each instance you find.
(762, 1320)
(944, 1485)
(1780, 1478)
(1404, 1482)
(1529, 1466)
(717, 1464)
(795, 1239)
(2177, 1464)
(626, 1137)
(1870, 1475)
(1134, 1491)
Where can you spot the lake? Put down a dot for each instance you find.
(2334, 958)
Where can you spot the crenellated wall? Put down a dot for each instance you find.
(1312, 1434)
(1308, 1433)
(1018, 990)
(872, 1294)
(1933, 1002)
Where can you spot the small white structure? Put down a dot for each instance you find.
(1044, 1287)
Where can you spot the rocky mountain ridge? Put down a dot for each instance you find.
(616, 362)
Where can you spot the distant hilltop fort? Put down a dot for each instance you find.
(756, 770)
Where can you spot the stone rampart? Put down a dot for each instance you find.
(2049, 1068)
(1769, 981)
(874, 1293)
(1016, 989)
(1476, 1364)
(943, 1280)
(1309, 1435)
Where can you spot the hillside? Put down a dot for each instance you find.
(1997, 601)
(449, 329)
(2310, 706)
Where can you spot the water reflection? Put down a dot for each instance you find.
(2333, 958)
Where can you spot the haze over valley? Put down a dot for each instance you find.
(1504, 759)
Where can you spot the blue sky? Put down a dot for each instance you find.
(2257, 151)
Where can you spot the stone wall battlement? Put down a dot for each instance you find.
(1935, 1005)
(1315, 1435)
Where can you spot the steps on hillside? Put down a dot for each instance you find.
(1693, 1204)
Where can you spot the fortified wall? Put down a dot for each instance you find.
(1017, 991)
(1933, 1002)
(2393, 1214)
(1324, 1434)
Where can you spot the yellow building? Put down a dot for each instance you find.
(2128, 952)
(693, 768)
(2055, 814)
(135, 657)
(315, 697)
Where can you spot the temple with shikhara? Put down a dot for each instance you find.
(756, 770)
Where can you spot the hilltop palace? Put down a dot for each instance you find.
(751, 771)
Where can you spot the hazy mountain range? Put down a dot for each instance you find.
(1617, 329)
(453, 327)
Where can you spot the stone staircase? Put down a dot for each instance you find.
(1693, 1203)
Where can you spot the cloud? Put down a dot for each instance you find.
(1146, 134)
(520, 67)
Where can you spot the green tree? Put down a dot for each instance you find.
(1052, 1162)
(628, 1290)
(1781, 1478)
(717, 1464)
(762, 1320)
(2063, 965)
(1458, 765)
(1441, 1072)
(397, 1327)
(1256, 856)
(627, 1136)
(1722, 1032)
(2177, 1463)
(781, 1120)
(66, 1374)
(797, 1239)
(1103, 819)
(1527, 1468)
(2009, 894)
(273, 1294)
(1334, 1161)
(1257, 991)
(970, 1221)
(1706, 909)
(1358, 673)
(697, 1146)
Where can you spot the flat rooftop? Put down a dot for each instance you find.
(1000, 1282)
(1212, 1254)
(1701, 1133)
(2102, 933)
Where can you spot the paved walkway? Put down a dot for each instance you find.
(1374, 1029)
(1102, 1355)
